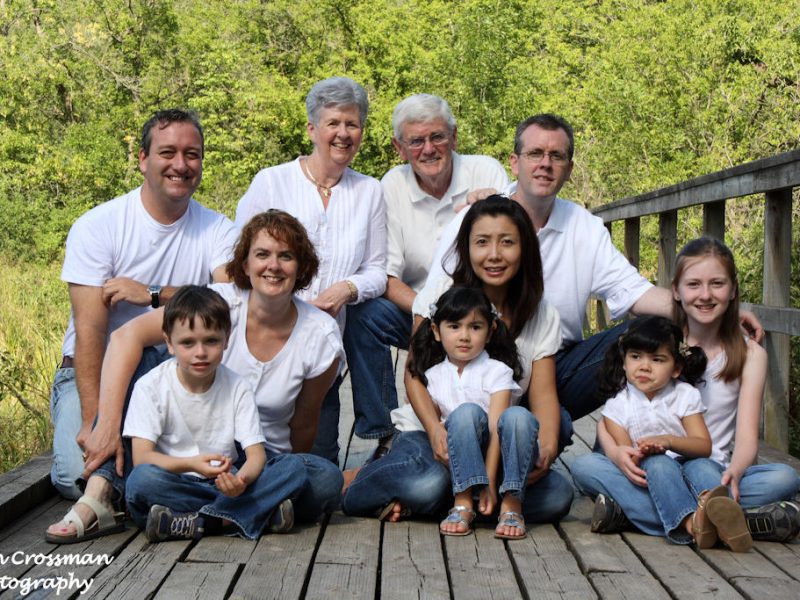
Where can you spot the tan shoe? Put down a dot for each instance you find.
(703, 529)
(728, 517)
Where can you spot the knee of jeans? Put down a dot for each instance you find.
(520, 419)
(467, 414)
(659, 463)
(586, 471)
(784, 480)
(429, 488)
(142, 478)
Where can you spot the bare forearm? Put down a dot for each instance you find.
(88, 359)
(399, 294)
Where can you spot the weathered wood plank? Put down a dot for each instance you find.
(768, 454)
(195, 581)
(412, 564)
(752, 574)
(632, 236)
(25, 487)
(139, 570)
(547, 568)
(221, 549)
(773, 318)
(678, 568)
(772, 173)
(343, 568)
(714, 220)
(278, 566)
(667, 246)
(785, 556)
(479, 566)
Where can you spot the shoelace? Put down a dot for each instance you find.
(183, 526)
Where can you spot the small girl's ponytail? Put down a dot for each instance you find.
(425, 351)
(694, 361)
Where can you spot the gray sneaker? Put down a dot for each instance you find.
(282, 519)
(776, 522)
(608, 516)
(163, 524)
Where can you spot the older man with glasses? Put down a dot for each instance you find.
(422, 196)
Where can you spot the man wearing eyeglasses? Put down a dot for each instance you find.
(578, 258)
(421, 196)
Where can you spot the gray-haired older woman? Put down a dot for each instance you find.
(342, 210)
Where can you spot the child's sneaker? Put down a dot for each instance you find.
(282, 519)
(776, 522)
(608, 516)
(163, 524)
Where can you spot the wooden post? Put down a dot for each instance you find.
(667, 242)
(632, 240)
(777, 268)
(714, 220)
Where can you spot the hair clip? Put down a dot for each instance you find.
(431, 310)
(683, 349)
(495, 314)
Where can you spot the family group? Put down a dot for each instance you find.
(199, 386)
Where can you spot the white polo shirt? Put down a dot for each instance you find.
(415, 219)
(578, 260)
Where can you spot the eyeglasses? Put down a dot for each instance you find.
(437, 139)
(537, 156)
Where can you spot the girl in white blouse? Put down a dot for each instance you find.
(451, 354)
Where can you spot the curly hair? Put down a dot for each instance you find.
(283, 227)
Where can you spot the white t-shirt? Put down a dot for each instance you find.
(578, 260)
(415, 219)
(642, 417)
(480, 378)
(120, 239)
(721, 400)
(349, 237)
(181, 423)
(539, 338)
(313, 345)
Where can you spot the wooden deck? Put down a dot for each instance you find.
(345, 557)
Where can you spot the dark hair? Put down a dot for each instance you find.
(192, 301)
(165, 118)
(549, 122)
(648, 334)
(729, 331)
(284, 227)
(455, 304)
(526, 288)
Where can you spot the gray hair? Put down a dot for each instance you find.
(336, 91)
(421, 108)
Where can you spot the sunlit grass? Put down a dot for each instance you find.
(33, 314)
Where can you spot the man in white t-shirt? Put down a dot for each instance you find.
(421, 198)
(122, 258)
(579, 259)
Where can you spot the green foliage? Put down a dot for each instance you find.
(658, 92)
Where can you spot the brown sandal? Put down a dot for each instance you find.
(703, 529)
(728, 517)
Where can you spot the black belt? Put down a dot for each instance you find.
(67, 362)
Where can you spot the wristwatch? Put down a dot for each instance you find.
(154, 291)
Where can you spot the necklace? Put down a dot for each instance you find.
(322, 189)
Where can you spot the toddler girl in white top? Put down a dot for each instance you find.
(451, 354)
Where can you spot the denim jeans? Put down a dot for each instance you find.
(326, 444)
(468, 438)
(760, 484)
(151, 358)
(65, 412)
(657, 509)
(373, 327)
(408, 473)
(576, 371)
(283, 477)
(322, 492)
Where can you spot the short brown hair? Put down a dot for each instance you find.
(192, 301)
(284, 227)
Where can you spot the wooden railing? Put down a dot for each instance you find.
(775, 177)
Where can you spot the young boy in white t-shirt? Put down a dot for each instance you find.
(184, 418)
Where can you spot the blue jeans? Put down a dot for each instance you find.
(468, 438)
(408, 473)
(65, 412)
(760, 484)
(657, 509)
(576, 371)
(326, 444)
(322, 492)
(151, 358)
(283, 477)
(373, 327)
